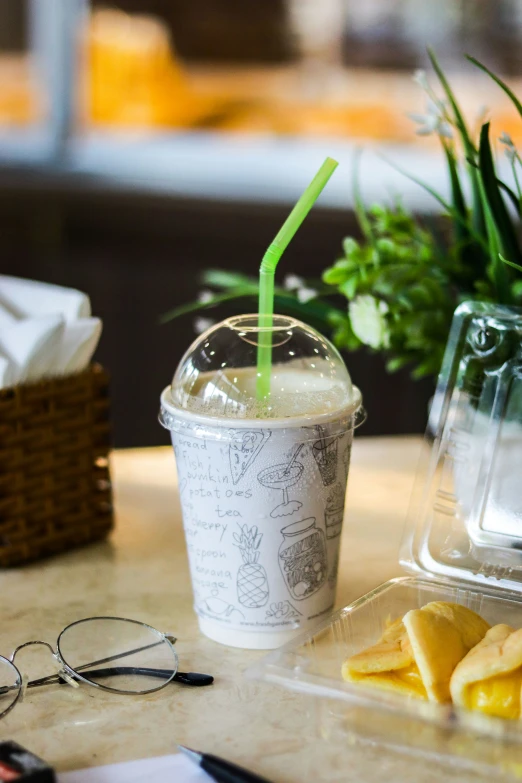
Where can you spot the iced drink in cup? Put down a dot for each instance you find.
(262, 482)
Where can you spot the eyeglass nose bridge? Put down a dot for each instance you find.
(28, 644)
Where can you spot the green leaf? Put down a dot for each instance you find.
(478, 217)
(483, 289)
(427, 367)
(350, 246)
(316, 311)
(360, 211)
(344, 337)
(456, 190)
(510, 263)
(448, 207)
(507, 237)
(462, 236)
(339, 272)
(406, 302)
(509, 92)
(397, 363)
(495, 271)
(511, 195)
(222, 278)
(419, 295)
(193, 307)
(507, 190)
(419, 182)
(459, 119)
(349, 287)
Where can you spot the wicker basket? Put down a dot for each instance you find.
(55, 488)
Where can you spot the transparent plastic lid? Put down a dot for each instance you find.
(465, 520)
(215, 381)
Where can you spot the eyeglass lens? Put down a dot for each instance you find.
(118, 654)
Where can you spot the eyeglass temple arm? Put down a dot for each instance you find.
(185, 678)
(190, 678)
(196, 679)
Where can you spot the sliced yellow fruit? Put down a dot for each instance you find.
(393, 651)
(406, 681)
(441, 634)
(489, 678)
(417, 655)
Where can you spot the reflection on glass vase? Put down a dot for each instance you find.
(302, 558)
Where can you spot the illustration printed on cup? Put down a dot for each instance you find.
(252, 580)
(302, 558)
(334, 512)
(282, 477)
(244, 448)
(283, 610)
(263, 513)
(325, 454)
(346, 460)
(332, 576)
(216, 606)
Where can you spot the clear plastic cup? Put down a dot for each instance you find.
(262, 483)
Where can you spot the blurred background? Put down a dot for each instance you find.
(145, 141)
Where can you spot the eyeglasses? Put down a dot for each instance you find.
(86, 645)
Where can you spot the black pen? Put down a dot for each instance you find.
(221, 770)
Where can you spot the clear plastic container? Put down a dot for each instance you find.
(464, 545)
(312, 665)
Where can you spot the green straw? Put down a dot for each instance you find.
(268, 268)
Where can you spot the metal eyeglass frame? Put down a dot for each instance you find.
(67, 674)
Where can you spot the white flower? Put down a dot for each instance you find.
(204, 297)
(202, 324)
(506, 139)
(420, 78)
(444, 129)
(292, 282)
(305, 294)
(368, 320)
(509, 147)
(434, 121)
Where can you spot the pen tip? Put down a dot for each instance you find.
(192, 754)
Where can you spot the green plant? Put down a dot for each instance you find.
(402, 281)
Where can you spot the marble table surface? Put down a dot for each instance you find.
(141, 572)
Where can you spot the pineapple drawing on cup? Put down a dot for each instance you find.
(252, 581)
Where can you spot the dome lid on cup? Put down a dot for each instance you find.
(216, 378)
